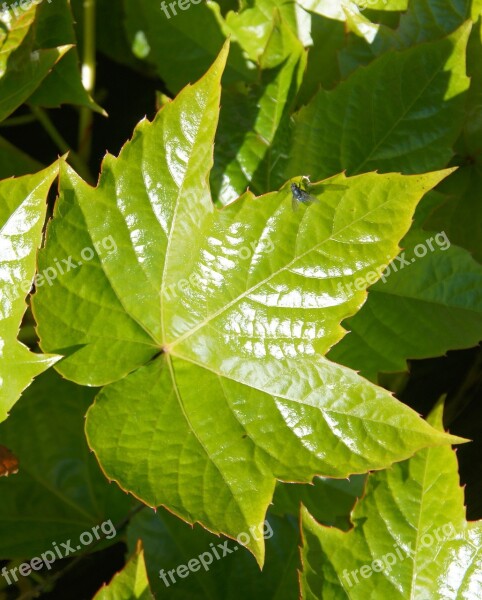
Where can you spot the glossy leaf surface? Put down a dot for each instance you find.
(22, 214)
(208, 326)
(409, 539)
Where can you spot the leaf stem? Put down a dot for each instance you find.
(465, 394)
(86, 116)
(16, 121)
(75, 160)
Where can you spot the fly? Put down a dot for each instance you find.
(301, 196)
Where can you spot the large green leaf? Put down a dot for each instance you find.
(428, 302)
(209, 325)
(373, 119)
(59, 491)
(22, 215)
(405, 543)
(23, 63)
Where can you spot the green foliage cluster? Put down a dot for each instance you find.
(237, 367)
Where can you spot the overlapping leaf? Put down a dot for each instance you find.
(328, 500)
(53, 28)
(59, 491)
(253, 133)
(461, 213)
(191, 38)
(22, 215)
(367, 41)
(410, 538)
(23, 64)
(252, 24)
(428, 302)
(229, 571)
(233, 573)
(131, 583)
(209, 325)
(431, 19)
(15, 162)
(355, 128)
(323, 67)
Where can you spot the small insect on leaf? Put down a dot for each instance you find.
(8, 462)
(301, 196)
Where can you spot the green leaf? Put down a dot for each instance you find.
(389, 5)
(328, 500)
(323, 70)
(469, 146)
(191, 38)
(432, 303)
(14, 161)
(402, 545)
(432, 19)
(59, 491)
(332, 9)
(54, 27)
(131, 583)
(111, 40)
(22, 215)
(211, 323)
(253, 131)
(23, 63)
(373, 119)
(368, 40)
(169, 544)
(460, 216)
(252, 25)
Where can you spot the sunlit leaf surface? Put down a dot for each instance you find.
(208, 327)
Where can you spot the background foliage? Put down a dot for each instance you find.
(200, 361)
